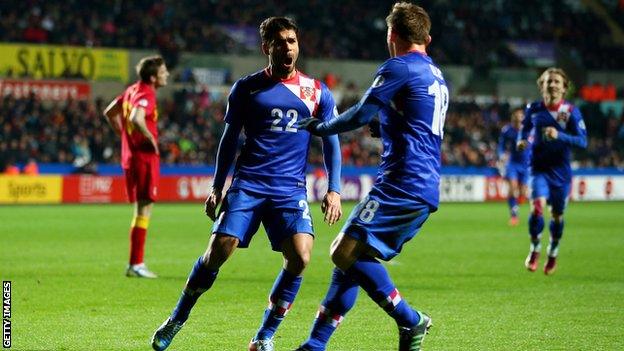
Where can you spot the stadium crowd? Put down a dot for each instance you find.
(468, 28)
(191, 125)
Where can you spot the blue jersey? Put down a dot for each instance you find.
(552, 157)
(507, 143)
(273, 157)
(415, 98)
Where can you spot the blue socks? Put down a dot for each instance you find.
(536, 225)
(556, 232)
(513, 206)
(370, 274)
(340, 298)
(200, 280)
(374, 279)
(281, 298)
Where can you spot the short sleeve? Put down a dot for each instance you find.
(146, 101)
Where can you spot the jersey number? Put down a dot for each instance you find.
(306, 210)
(368, 212)
(441, 94)
(278, 114)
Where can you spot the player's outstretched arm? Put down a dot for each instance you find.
(112, 113)
(358, 115)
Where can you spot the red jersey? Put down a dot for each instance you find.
(133, 143)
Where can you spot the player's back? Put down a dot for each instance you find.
(273, 158)
(416, 98)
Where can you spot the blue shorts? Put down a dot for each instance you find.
(386, 219)
(557, 195)
(517, 171)
(282, 216)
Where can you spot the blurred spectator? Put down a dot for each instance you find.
(11, 169)
(31, 168)
(192, 123)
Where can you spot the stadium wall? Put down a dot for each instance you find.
(457, 185)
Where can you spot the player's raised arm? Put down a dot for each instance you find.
(112, 113)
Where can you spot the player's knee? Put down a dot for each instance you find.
(220, 249)
(538, 208)
(342, 259)
(557, 217)
(298, 263)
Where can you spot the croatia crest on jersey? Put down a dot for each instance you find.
(562, 118)
(307, 89)
(307, 93)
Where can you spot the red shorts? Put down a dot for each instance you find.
(142, 179)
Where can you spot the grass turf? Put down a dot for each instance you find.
(465, 268)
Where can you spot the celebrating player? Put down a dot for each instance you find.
(515, 163)
(411, 97)
(133, 116)
(269, 179)
(551, 126)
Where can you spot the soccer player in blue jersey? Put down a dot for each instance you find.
(411, 97)
(269, 179)
(551, 127)
(514, 162)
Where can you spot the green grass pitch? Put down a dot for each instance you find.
(465, 268)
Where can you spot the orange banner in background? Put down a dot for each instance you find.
(30, 189)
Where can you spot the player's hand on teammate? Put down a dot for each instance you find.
(374, 127)
(212, 202)
(522, 144)
(551, 133)
(331, 207)
(310, 124)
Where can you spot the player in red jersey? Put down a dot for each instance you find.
(134, 117)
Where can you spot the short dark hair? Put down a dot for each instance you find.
(270, 27)
(410, 22)
(148, 67)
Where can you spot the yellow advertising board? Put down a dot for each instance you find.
(57, 61)
(30, 189)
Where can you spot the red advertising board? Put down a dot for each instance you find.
(93, 189)
(107, 189)
(46, 89)
(184, 188)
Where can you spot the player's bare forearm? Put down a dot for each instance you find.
(137, 117)
(112, 113)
